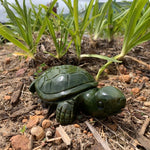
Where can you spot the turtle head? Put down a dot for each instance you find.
(103, 102)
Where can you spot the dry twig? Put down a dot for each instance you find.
(53, 139)
(97, 136)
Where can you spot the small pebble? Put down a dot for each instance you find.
(38, 132)
(141, 98)
(24, 120)
(135, 91)
(7, 97)
(76, 126)
(46, 123)
(125, 78)
(85, 132)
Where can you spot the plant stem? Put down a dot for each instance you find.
(117, 57)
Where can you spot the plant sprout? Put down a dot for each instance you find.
(57, 26)
(79, 27)
(100, 21)
(136, 31)
(22, 26)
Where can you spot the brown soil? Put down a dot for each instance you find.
(122, 131)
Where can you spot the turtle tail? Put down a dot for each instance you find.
(32, 87)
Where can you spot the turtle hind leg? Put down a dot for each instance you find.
(66, 112)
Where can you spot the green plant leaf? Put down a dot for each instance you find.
(100, 57)
(23, 129)
(11, 38)
(14, 19)
(101, 18)
(87, 13)
(133, 16)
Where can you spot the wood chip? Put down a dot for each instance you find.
(97, 136)
(141, 138)
(63, 135)
(22, 111)
(16, 95)
(144, 126)
(144, 141)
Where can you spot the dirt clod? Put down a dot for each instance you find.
(125, 78)
(32, 121)
(20, 142)
(135, 90)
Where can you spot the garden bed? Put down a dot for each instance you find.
(20, 110)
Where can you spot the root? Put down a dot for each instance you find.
(139, 61)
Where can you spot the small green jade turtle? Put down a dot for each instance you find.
(73, 89)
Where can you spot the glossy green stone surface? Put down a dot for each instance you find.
(102, 102)
(62, 81)
(73, 89)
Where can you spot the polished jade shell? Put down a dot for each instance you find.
(62, 81)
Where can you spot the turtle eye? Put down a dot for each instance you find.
(100, 104)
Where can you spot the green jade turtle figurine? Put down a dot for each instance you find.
(73, 89)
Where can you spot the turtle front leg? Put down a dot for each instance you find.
(65, 112)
